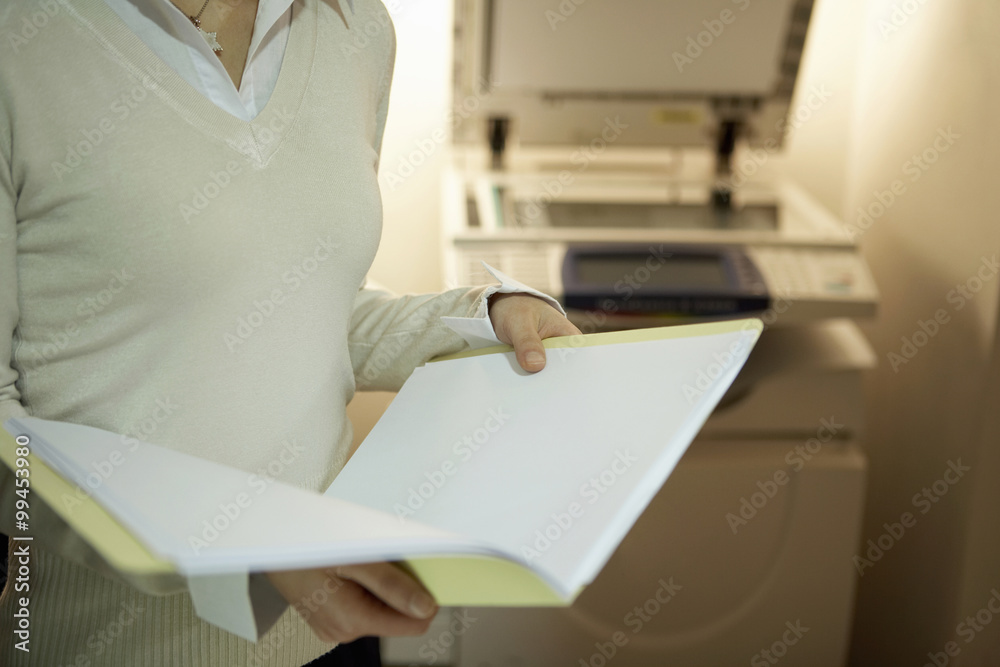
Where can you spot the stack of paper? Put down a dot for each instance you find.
(494, 485)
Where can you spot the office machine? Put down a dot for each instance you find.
(628, 247)
(620, 156)
(601, 127)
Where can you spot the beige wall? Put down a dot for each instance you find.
(409, 257)
(981, 571)
(935, 70)
(816, 149)
(927, 76)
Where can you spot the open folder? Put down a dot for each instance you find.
(492, 485)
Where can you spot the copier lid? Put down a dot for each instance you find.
(678, 68)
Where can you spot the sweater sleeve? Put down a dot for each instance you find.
(391, 335)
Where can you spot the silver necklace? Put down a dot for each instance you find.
(213, 43)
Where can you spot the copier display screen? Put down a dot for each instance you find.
(698, 271)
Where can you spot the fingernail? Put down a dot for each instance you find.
(422, 606)
(534, 359)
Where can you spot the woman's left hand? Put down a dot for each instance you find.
(523, 320)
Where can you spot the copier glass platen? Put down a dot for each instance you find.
(603, 129)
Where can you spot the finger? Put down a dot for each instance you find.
(554, 324)
(527, 342)
(394, 587)
(358, 613)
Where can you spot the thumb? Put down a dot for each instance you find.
(527, 345)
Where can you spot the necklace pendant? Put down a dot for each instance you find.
(213, 43)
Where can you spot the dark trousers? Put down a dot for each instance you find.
(363, 652)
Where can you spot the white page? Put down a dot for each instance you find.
(164, 497)
(540, 438)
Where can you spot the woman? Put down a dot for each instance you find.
(187, 216)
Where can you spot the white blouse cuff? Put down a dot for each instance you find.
(478, 330)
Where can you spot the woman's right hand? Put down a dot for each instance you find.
(349, 601)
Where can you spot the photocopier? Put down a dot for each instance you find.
(621, 157)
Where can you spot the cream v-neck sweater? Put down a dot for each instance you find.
(175, 274)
